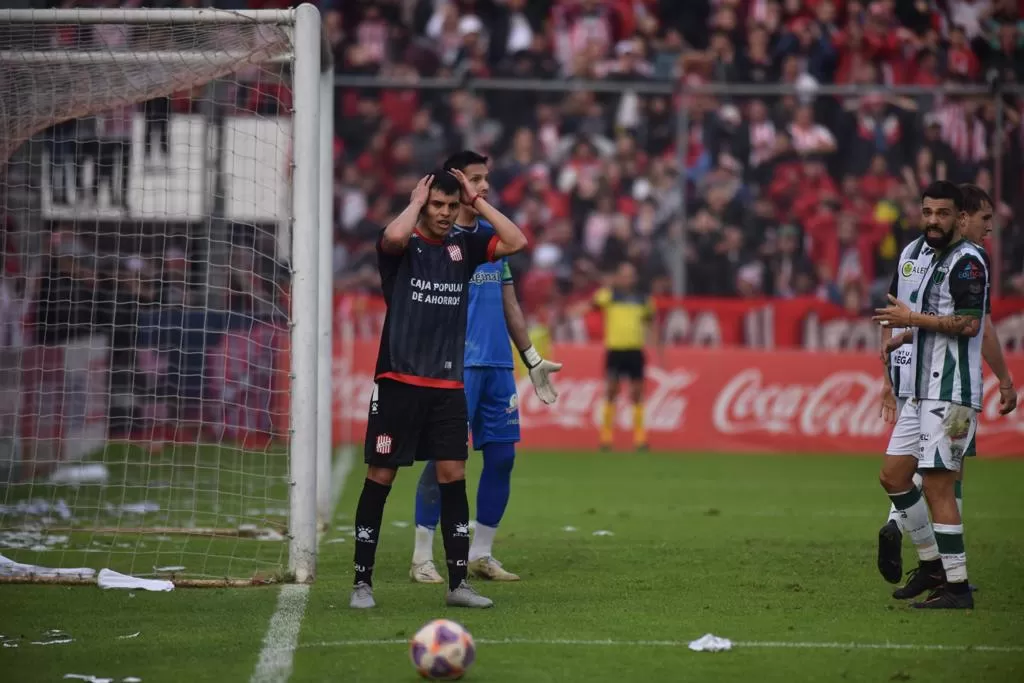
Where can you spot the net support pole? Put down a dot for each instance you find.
(305, 286)
(325, 305)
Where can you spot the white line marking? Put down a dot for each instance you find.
(275, 662)
(752, 644)
(282, 638)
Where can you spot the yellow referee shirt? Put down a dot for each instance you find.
(626, 316)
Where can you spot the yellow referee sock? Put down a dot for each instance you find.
(639, 433)
(607, 423)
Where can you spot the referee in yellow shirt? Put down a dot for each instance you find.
(628, 314)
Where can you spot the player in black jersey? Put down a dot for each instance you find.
(418, 407)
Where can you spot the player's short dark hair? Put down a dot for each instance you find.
(445, 182)
(975, 198)
(460, 160)
(943, 189)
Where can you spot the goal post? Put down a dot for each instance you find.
(219, 473)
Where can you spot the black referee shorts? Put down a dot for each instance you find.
(409, 423)
(625, 364)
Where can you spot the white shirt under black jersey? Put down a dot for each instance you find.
(948, 368)
(426, 290)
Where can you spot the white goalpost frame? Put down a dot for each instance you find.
(311, 232)
(325, 303)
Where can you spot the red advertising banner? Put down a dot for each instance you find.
(720, 400)
(53, 405)
(804, 323)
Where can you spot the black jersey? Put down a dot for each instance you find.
(426, 290)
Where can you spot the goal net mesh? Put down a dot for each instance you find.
(144, 300)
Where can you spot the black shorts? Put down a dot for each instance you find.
(625, 364)
(409, 423)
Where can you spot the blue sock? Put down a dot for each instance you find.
(495, 483)
(428, 498)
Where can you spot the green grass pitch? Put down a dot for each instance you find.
(774, 552)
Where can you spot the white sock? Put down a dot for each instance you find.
(424, 551)
(916, 523)
(951, 543)
(894, 514)
(483, 541)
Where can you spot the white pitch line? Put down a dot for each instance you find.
(751, 644)
(282, 638)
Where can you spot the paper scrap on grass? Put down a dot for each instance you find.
(9, 567)
(108, 578)
(35, 540)
(711, 643)
(54, 637)
(173, 568)
(89, 473)
(604, 532)
(336, 540)
(569, 528)
(400, 524)
(37, 507)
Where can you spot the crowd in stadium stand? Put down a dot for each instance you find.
(786, 195)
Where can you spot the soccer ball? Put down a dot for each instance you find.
(442, 650)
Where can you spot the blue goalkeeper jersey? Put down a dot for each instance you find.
(487, 340)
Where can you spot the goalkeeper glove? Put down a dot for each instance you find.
(540, 374)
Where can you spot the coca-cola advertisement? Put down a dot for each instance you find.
(719, 400)
(800, 323)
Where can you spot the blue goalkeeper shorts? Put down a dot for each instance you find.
(493, 405)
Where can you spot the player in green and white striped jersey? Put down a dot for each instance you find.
(935, 427)
(897, 353)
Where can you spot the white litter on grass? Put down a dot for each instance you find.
(54, 637)
(267, 512)
(135, 508)
(710, 643)
(108, 578)
(9, 567)
(31, 540)
(173, 568)
(130, 636)
(336, 540)
(6, 641)
(603, 532)
(37, 507)
(89, 677)
(400, 524)
(131, 679)
(91, 473)
(570, 529)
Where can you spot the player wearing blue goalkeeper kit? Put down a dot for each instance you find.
(491, 398)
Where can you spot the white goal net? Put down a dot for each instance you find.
(159, 179)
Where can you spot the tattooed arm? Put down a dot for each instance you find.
(968, 285)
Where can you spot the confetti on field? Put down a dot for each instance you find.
(336, 540)
(569, 529)
(130, 636)
(401, 524)
(604, 532)
(172, 568)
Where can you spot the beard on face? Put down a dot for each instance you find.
(936, 238)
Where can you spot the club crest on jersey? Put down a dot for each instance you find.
(908, 269)
(384, 442)
(454, 252)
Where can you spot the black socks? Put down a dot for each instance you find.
(455, 529)
(369, 514)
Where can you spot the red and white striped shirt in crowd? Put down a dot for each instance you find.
(810, 138)
(579, 31)
(965, 134)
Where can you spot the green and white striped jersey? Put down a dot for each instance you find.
(914, 264)
(948, 368)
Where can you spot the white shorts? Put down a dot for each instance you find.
(939, 433)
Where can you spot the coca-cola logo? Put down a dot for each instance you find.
(842, 404)
(580, 402)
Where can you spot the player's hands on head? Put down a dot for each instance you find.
(421, 191)
(896, 314)
(1007, 398)
(467, 191)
